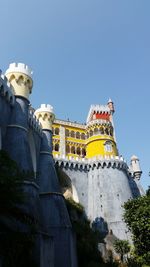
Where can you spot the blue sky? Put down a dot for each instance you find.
(82, 52)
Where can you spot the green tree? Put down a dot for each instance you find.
(16, 244)
(87, 239)
(137, 218)
(122, 247)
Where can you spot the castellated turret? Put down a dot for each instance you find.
(27, 137)
(20, 77)
(45, 115)
(91, 170)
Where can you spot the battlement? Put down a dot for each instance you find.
(34, 122)
(99, 122)
(45, 108)
(19, 67)
(98, 162)
(100, 109)
(6, 89)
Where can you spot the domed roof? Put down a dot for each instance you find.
(134, 157)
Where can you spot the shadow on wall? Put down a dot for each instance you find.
(99, 224)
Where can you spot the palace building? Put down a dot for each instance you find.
(95, 137)
(68, 159)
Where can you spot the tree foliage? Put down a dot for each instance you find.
(122, 247)
(137, 218)
(87, 239)
(16, 244)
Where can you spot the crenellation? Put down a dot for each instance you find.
(34, 122)
(98, 162)
(85, 154)
(19, 67)
(6, 89)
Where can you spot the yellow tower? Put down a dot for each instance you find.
(20, 77)
(100, 131)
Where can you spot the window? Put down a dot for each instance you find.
(78, 151)
(77, 135)
(83, 136)
(106, 131)
(56, 148)
(91, 133)
(72, 134)
(73, 150)
(101, 130)
(67, 132)
(67, 149)
(95, 131)
(108, 147)
(57, 131)
(83, 152)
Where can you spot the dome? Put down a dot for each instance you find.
(134, 157)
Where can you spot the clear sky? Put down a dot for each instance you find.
(82, 52)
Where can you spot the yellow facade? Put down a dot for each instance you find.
(73, 139)
(82, 141)
(98, 147)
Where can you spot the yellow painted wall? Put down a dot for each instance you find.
(94, 145)
(97, 147)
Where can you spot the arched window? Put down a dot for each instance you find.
(56, 147)
(67, 149)
(111, 131)
(83, 136)
(73, 150)
(83, 152)
(57, 131)
(95, 131)
(78, 150)
(108, 146)
(106, 131)
(91, 133)
(72, 134)
(87, 135)
(77, 135)
(102, 130)
(67, 132)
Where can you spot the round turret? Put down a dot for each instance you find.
(135, 167)
(20, 77)
(45, 115)
(100, 132)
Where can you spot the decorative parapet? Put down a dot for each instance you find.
(6, 89)
(69, 123)
(97, 108)
(34, 122)
(95, 162)
(98, 122)
(19, 67)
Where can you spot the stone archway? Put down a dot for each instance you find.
(67, 187)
